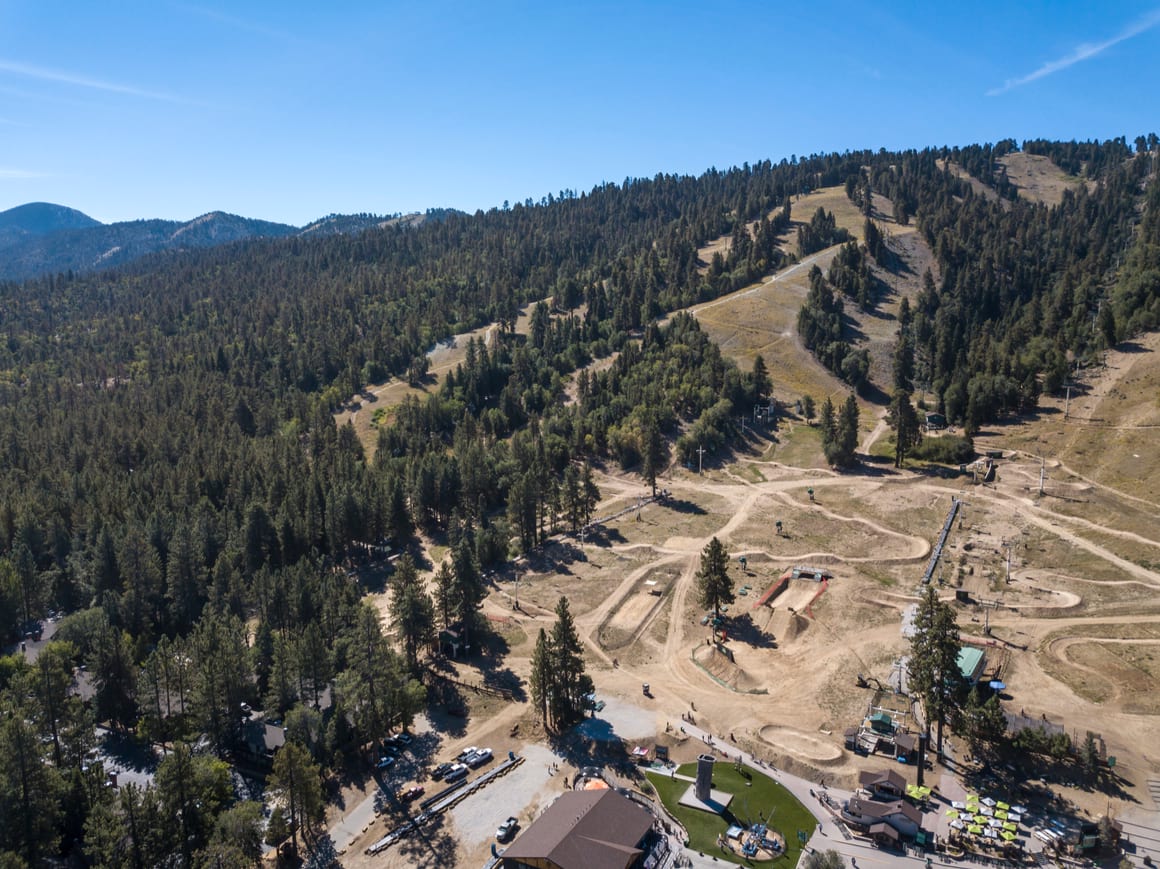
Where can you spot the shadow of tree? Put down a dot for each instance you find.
(447, 708)
(430, 844)
(680, 505)
(743, 629)
(129, 752)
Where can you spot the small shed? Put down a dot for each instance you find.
(881, 722)
(451, 642)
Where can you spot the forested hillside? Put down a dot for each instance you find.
(1023, 292)
(171, 476)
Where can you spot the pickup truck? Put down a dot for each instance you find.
(481, 756)
(507, 829)
(458, 772)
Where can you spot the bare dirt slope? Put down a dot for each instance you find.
(1038, 178)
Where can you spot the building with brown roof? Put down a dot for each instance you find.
(864, 814)
(887, 785)
(583, 830)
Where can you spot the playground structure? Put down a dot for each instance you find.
(758, 842)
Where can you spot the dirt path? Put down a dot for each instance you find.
(874, 433)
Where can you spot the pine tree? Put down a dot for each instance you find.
(468, 588)
(934, 662)
(445, 598)
(828, 423)
(652, 449)
(761, 383)
(714, 585)
(904, 351)
(412, 612)
(569, 682)
(847, 434)
(809, 409)
(540, 680)
(296, 783)
(903, 419)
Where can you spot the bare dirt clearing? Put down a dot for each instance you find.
(1038, 178)
(1068, 573)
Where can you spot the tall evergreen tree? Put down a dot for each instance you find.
(714, 585)
(570, 683)
(761, 383)
(828, 423)
(903, 419)
(934, 662)
(540, 680)
(412, 612)
(848, 432)
(296, 783)
(445, 598)
(652, 449)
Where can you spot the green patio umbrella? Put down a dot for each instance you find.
(1009, 827)
(978, 831)
(1008, 835)
(1002, 805)
(1001, 815)
(952, 813)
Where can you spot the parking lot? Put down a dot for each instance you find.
(527, 787)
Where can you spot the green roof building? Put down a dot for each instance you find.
(971, 661)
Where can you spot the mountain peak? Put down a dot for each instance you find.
(41, 218)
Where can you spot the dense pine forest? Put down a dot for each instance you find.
(173, 482)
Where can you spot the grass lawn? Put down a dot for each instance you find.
(749, 805)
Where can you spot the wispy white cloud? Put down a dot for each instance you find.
(1083, 51)
(238, 23)
(41, 73)
(17, 174)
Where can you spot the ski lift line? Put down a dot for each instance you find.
(942, 539)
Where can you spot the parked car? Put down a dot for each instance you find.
(411, 794)
(507, 829)
(441, 771)
(458, 772)
(481, 757)
(405, 739)
(385, 762)
(466, 753)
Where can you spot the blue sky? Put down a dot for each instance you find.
(288, 111)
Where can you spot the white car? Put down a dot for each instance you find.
(458, 772)
(507, 829)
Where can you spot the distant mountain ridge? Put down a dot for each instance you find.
(43, 238)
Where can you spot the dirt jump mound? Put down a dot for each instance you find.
(717, 664)
(796, 742)
(787, 626)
